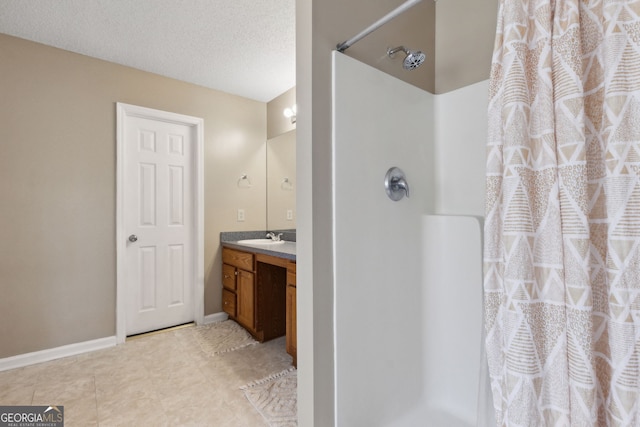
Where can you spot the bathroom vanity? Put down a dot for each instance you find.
(259, 290)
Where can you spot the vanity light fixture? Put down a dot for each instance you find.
(290, 112)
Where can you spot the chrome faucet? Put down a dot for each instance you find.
(274, 237)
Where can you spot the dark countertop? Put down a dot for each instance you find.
(286, 250)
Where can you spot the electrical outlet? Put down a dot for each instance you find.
(289, 215)
(240, 215)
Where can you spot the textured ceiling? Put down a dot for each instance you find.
(243, 47)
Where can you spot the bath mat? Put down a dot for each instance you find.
(276, 398)
(222, 337)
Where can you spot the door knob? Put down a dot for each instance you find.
(133, 238)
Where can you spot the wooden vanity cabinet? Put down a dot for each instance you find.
(292, 340)
(255, 292)
(238, 292)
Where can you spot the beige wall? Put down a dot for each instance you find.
(281, 196)
(456, 35)
(413, 29)
(465, 33)
(281, 162)
(57, 192)
(277, 123)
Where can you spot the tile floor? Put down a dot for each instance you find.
(157, 380)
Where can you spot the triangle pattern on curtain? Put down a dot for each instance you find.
(562, 226)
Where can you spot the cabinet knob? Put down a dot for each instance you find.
(236, 273)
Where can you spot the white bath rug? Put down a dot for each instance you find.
(276, 398)
(222, 337)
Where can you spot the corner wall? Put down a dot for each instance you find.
(58, 144)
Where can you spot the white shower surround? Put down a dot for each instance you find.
(385, 265)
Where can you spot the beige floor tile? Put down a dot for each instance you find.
(50, 392)
(161, 380)
(141, 412)
(17, 386)
(185, 386)
(75, 393)
(16, 394)
(191, 409)
(112, 394)
(80, 412)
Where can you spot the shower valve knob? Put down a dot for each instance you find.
(395, 184)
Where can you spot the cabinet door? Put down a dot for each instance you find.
(291, 323)
(246, 299)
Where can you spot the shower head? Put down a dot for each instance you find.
(413, 60)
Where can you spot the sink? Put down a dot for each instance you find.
(265, 242)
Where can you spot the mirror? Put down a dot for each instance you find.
(281, 182)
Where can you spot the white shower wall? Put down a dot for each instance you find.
(460, 147)
(379, 122)
(379, 251)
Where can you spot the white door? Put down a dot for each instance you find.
(159, 222)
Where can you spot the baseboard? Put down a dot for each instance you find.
(215, 317)
(55, 353)
(27, 359)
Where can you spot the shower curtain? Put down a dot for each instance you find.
(562, 230)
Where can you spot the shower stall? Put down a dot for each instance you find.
(407, 273)
(390, 333)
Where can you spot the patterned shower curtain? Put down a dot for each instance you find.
(562, 231)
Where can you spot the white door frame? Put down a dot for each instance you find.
(123, 112)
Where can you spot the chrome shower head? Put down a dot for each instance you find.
(413, 60)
